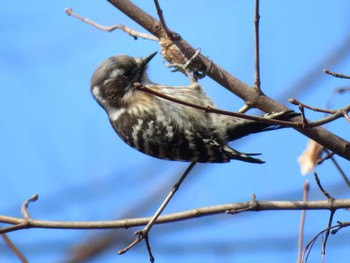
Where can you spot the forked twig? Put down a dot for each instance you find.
(328, 156)
(24, 210)
(331, 216)
(342, 112)
(326, 231)
(333, 230)
(143, 234)
(298, 103)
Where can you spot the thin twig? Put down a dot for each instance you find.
(341, 171)
(162, 20)
(340, 225)
(135, 34)
(13, 247)
(337, 75)
(332, 211)
(343, 112)
(324, 243)
(298, 103)
(142, 234)
(209, 109)
(257, 81)
(331, 118)
(25, 204)
(23, 224)
(324, 192)
(303, 117)
(151, 257)
(346, 115)
(302, 222)
(328, 156)
(97, 243)
(336, 164)
(333, 229)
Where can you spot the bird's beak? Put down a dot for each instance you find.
(147, 59)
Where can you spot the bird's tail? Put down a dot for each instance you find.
(245, 157)
(246, 127)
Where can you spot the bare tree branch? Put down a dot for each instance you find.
(22, 223)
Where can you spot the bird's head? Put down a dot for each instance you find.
(115, 77)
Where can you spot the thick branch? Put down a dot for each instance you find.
(22, 223)
(252, 97)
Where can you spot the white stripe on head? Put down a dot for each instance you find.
(116, 73)
(97, 94)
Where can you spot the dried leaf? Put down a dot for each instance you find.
(309, 157)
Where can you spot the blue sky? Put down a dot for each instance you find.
(57, 142)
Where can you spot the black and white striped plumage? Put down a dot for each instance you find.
(165, 129)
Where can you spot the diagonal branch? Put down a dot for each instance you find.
(210, 109)
(336, 114)
(252, 96)
(13, 247)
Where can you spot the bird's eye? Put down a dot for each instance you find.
(127, 73)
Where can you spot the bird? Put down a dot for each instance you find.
(165, 129)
